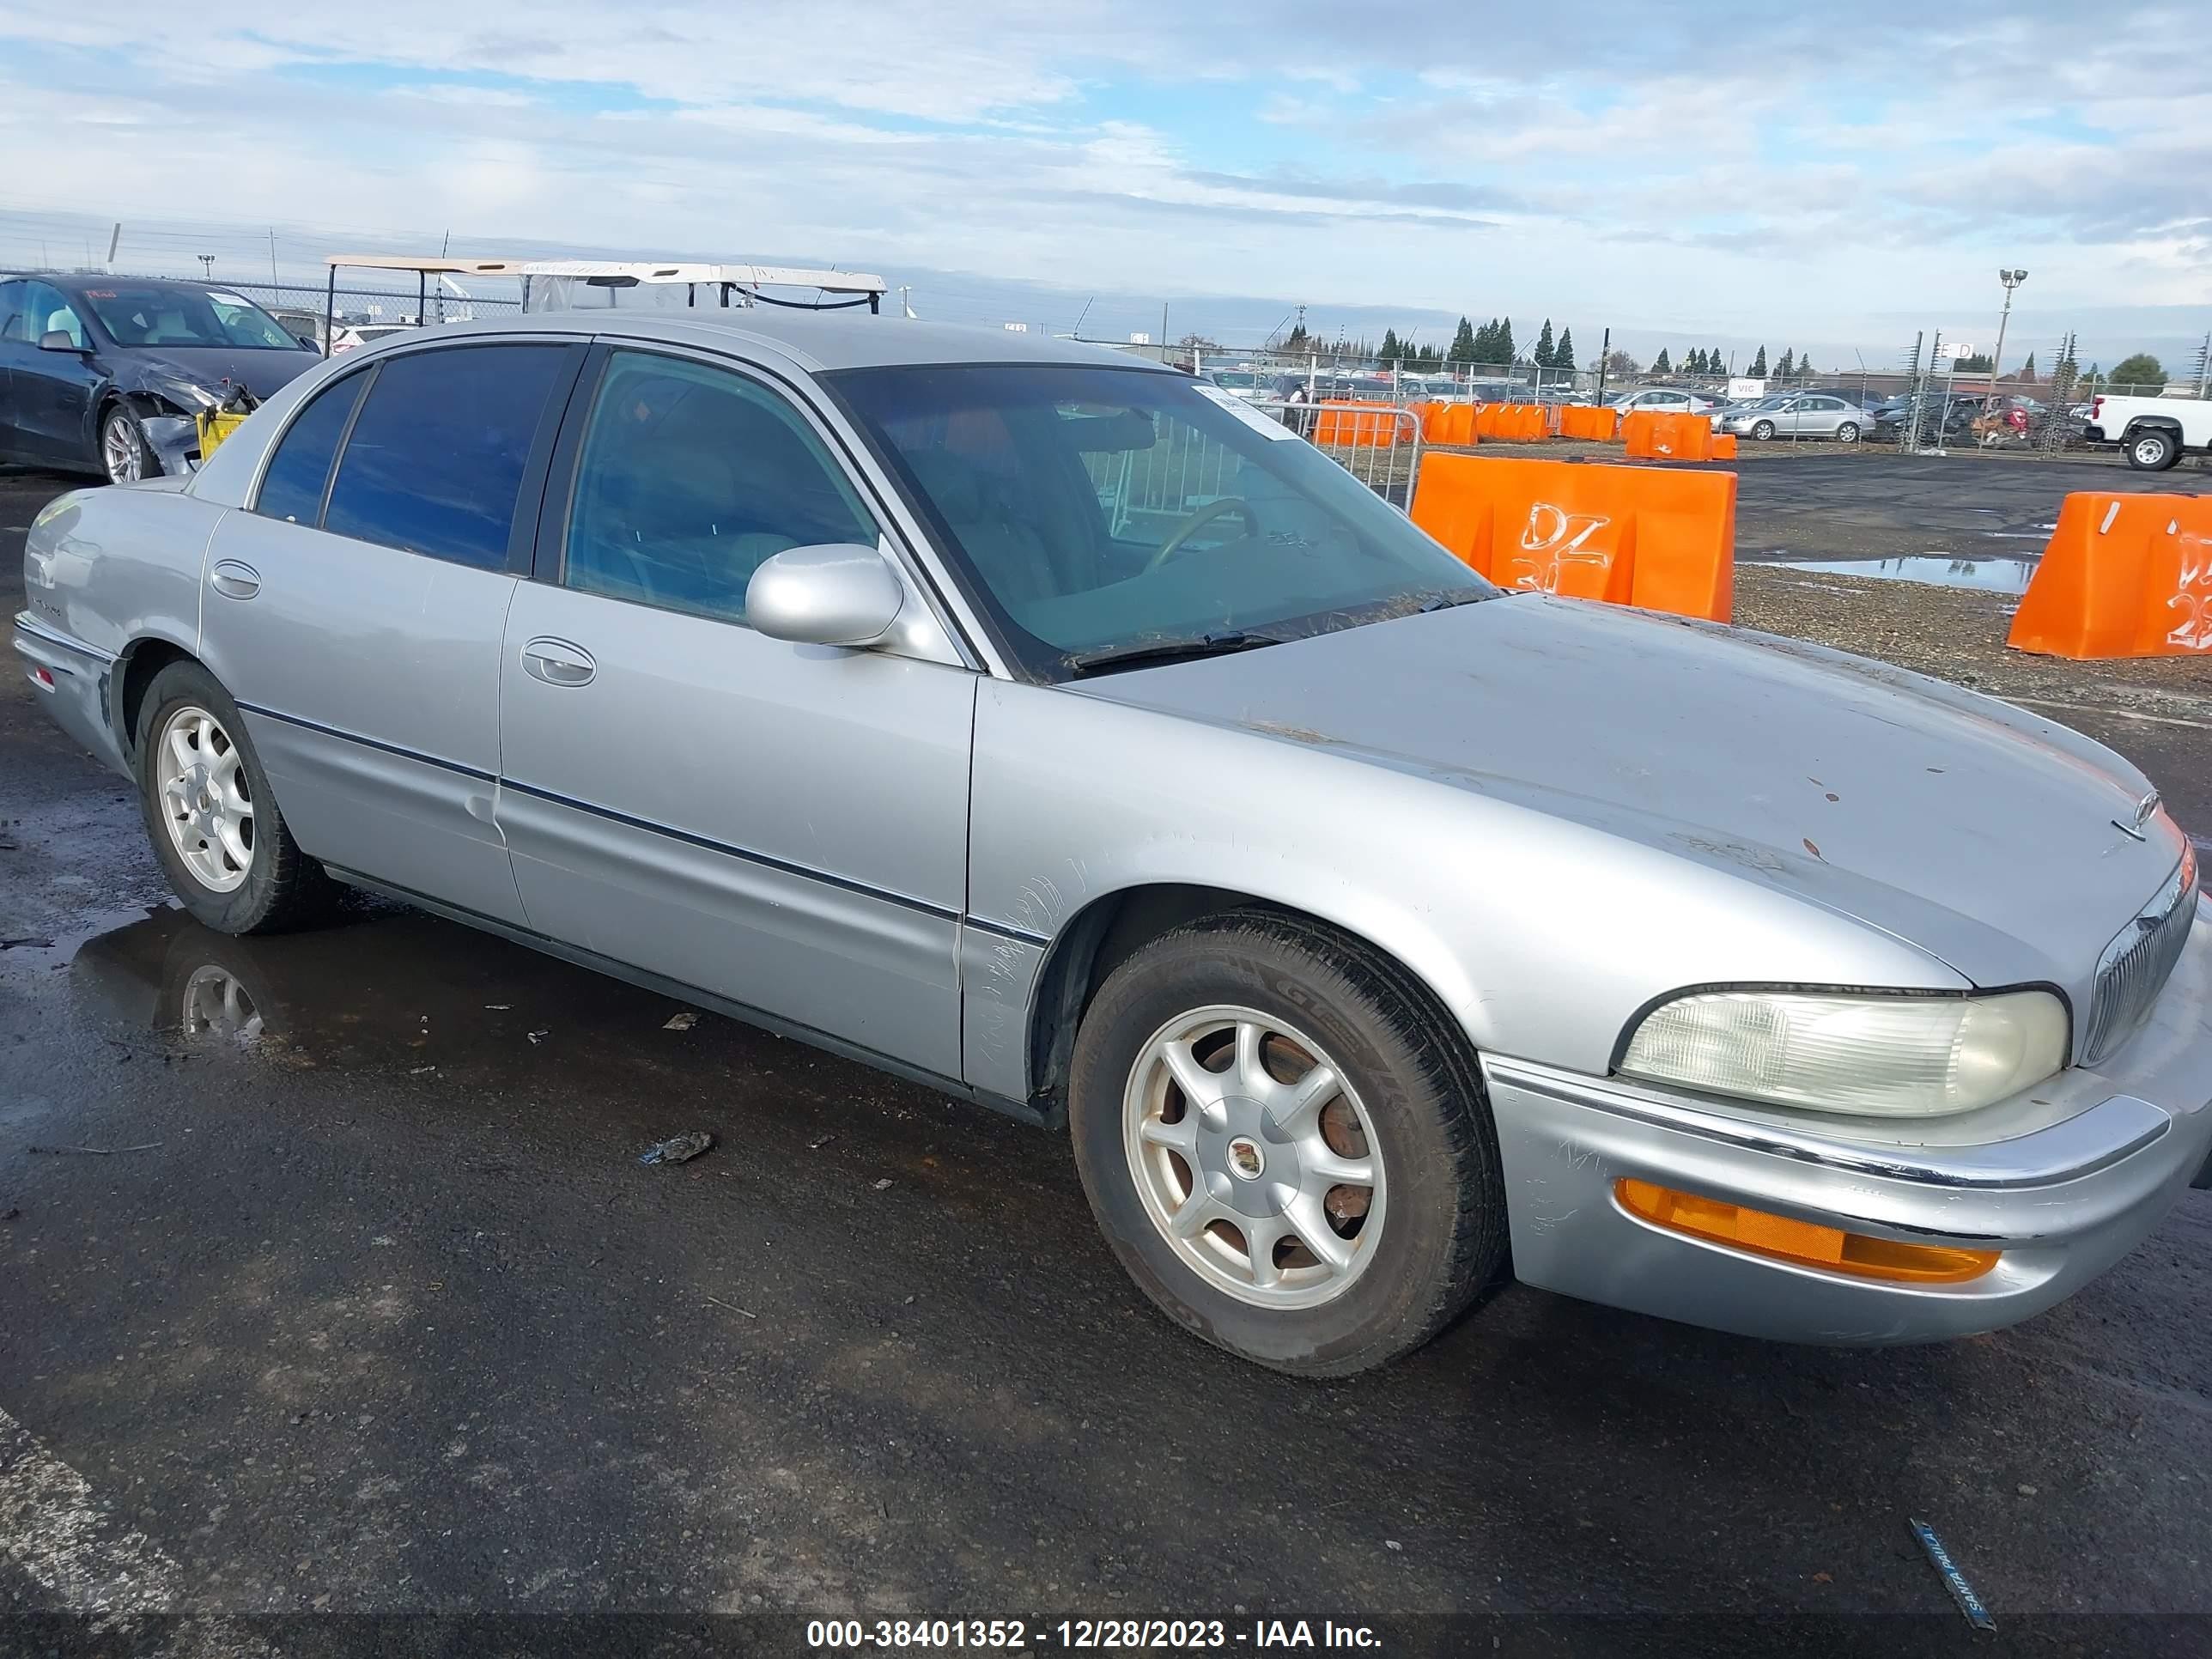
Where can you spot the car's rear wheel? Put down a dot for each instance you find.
(215, 825)
(1848, 432)
(1762, 430)
(2153, 450)
(123, 451)
(1287, 1146)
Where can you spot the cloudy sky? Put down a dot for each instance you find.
(1831, 176)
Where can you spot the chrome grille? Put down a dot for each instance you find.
(2134, 966)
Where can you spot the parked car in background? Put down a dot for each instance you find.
(351, 336)
(1663, 400)
(107, 373)
(2153, 433)
(1943, 417)
(893, 686)
(1798, 415)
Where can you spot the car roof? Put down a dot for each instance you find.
(817, 341)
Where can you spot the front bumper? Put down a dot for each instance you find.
(2063, 1201)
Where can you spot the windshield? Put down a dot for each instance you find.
(1097, 508)
(149, 315)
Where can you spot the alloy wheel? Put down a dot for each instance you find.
(1253, 1156)
(204, 800)
(121, 450)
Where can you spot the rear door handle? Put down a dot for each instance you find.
(557, 662)
(234, 581)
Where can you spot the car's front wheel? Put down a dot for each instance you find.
(123, 451)
(1763, 430)
(215, 825)
(1286, 1147)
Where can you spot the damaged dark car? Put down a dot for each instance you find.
(109, 375)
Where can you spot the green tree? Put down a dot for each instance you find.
(1564, 357)
(1758, 365)
(1804, 366)
(1391, 349)
(1716, 362)
(1462, 345)
(1695, 362)
(1543, 355)
(1659, 365)
(1297, 339)
(2027, 370)
(1786, 365)
(2140, 369)
(1975, 363)
(1504, 346)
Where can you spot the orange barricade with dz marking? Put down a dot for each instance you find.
(2123, 576)
(1633, 535)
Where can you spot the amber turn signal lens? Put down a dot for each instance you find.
(1778, 1236)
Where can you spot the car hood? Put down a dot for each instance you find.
(260, 371)
(1981, 833)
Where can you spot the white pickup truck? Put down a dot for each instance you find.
(2151, 432)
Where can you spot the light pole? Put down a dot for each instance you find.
(2011, 279)
(207, 265)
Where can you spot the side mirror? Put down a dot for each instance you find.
(833, 594)
(58, 339)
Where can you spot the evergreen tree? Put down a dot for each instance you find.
(1804, 366)
(1716, 362)
(1659, 365)
(2027, 370)
(1564, 357)
(1695, 362)
(1505, 339)
(1297, 339)
(1543, 357)
(1462, 345)
(1787, 365)
(1758, 365)
(1391, 349)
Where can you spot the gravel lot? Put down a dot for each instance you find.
(382, 1319)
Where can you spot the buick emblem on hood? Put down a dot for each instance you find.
(2144, 808)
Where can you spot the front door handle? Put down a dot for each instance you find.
(557, 662)
(234, 581)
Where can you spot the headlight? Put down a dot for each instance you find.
(1881, 1056)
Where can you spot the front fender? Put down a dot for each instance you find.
(1541, 936)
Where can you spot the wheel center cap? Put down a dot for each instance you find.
(1245, 1159)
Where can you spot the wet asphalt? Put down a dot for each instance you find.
(368, 1324)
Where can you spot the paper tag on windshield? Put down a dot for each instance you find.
(223, 299)
(1242, 410)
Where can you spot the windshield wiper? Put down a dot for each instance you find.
(1161, 651)
(1457, 595)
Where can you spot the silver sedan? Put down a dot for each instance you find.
(1058, 730)
(1798, 415)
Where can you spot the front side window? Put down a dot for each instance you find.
(44, 311)
(1091, 509)
(688, 477)
(293, 484)
(438, 452)
(142, 315)
(11, 310)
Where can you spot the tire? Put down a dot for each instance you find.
(1418, 1241)
(2151, 449)
(124, 455)
(189, 718)
(1763, 430)
(1848, 432)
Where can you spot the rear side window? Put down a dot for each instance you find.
(292, 487)
(437, 454)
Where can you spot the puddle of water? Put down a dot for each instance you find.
(1936, 570)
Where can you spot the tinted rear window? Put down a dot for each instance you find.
(292, 487)
(437, 456)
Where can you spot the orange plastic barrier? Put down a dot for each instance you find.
(1653, 437)
(1724, 445)
(1351, 426)
(1577, 421)
(1457, 425)
(2123, 576)
(1631, 535)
